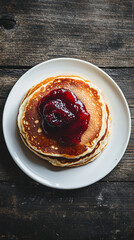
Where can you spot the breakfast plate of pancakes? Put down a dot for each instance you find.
(66, 123)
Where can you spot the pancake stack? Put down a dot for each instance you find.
(93, 140)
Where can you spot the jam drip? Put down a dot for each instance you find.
(64, 116)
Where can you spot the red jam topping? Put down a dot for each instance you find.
(64, 116)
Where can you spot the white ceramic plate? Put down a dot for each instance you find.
(77, 177)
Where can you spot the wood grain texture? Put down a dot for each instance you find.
(102, 211)
(100, 31)
(125, 169)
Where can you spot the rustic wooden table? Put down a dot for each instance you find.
(100, 32)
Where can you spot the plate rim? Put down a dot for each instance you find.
(29, 172)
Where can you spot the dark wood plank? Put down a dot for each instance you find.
(101, 211)
(125, 169)
(97, 31)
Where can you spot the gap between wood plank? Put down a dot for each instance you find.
(34, 182)
(28, 67)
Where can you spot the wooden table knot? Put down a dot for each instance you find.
(7, 22)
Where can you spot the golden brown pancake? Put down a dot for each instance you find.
(93, 140)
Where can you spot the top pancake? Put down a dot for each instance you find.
(29, 120)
